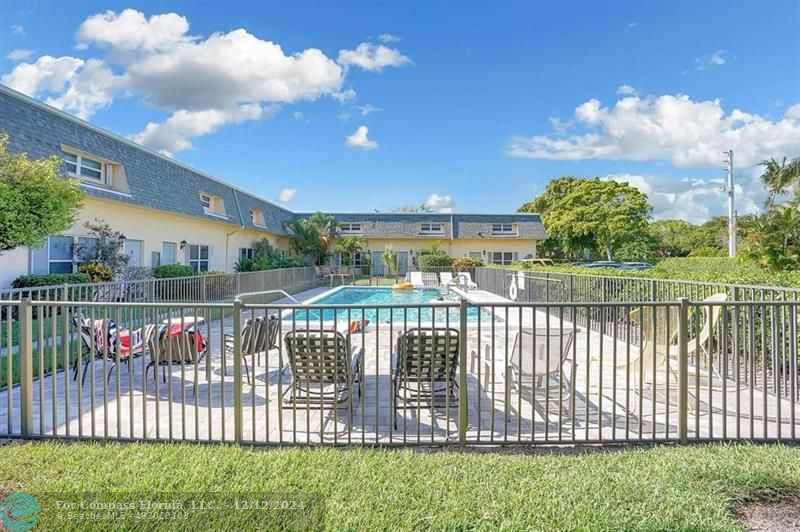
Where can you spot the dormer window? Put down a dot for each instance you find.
(257, 217)
(504, 229)
(212, 205)
(88, 169)
(350, 228)
(431, 229)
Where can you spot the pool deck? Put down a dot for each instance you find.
(602, 403)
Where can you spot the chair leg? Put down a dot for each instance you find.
(75, 371)
(86, 367)
(246, 370)
(108, 378)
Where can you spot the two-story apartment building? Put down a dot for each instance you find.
(173, 213)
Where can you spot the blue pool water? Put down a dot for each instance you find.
(364, 297)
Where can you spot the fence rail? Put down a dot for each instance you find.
(415, 374)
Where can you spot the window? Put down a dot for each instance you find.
(212, 204)
(168, 252)
(155, 259)
(474, 254)
(86, 168)
(359, 258)
(198, 257)
(350, 228)
(430, 229)
(504, 229)
(60, 258)
(502, 257)
(257, 217)
(245, 253)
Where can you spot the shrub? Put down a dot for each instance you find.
(431, 262)
(96, 272)
(166, 271)
(50, 279)
(466, 264)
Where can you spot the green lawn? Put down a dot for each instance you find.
(364, 489)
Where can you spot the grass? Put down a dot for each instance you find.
(367, 489)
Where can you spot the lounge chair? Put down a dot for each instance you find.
(445, 279)
(424, 369)
(465, 279)
(415, 278)
(259, 335)
(538, 356)
(167, 349)
(324, 367)
(650, 362)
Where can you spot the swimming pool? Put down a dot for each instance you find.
(361, 297)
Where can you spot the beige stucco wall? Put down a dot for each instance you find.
(153, 228)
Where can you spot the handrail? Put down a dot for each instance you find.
(275, 291)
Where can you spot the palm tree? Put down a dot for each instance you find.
(780, 177)
(313, 236)
(349, 246)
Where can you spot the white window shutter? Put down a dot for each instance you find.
(186, 254)
(514, 256)
(40, 264)
(211, 258)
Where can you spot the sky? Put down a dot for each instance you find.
(465, 107)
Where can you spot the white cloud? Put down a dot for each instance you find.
(440, 203)
(387, 38)
(20, 54)
(204, 83)
(666, 128)
(287, 195)
(176, 133)
(74, 85)
(359, 140)
(631, 25)
(694, 200)
(131, 31)
(344, 96)
(372, 57)
(368, 109)
(627, 90)
(18, 30)
(716, 58)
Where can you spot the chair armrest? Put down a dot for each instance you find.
(355, 360)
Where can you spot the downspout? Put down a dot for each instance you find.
(452, 235)
(241, 226)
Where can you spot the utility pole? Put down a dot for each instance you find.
(731, 207)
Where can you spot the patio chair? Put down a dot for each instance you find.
(465, 279)
(259, 336)
(445, 279)
(658, 346)
(424, 369)
(415, 278)
(538, 355)
(167, 349)
(324, 366)
(100, 339)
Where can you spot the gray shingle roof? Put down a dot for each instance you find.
(158, 182)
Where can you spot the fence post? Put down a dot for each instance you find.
(463, 413)
(237, 370)
(653, 290)
(26, 366)
(683, 370)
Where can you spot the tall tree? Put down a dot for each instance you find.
(313, 236)
(780, 177)
(35, 201)
(348, 246)
(595, 212)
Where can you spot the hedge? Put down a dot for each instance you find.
(703, 269)
(167, 271)
(50, 279)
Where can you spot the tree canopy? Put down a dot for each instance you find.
(594, 214)
(313, 236)
(35, 201)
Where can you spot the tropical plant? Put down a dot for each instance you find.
(390, 259)
(35, 201)
(780, 177)
(348, 246)
(313, 236)
(106, 249)
(97, 272)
